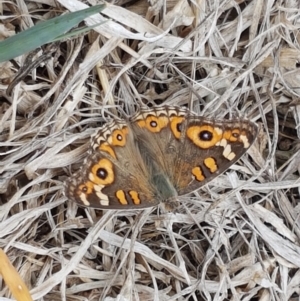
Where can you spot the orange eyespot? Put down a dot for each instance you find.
(232, 135)
(176, 126)
(204, 136)
(118, 137)
(154, 124)
(102, 173)
(86, 188)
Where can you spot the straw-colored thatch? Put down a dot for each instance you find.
(236, 238)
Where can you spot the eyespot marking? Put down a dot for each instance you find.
(118, 137)
(83, 190)
(153, 123)
(176, 126)
(102, 172)
(232, 135)
(204, 136)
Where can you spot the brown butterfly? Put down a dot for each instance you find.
(158, 154)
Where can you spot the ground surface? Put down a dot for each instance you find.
(236, 238)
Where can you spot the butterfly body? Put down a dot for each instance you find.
(158, 154)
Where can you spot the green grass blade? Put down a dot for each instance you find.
(43, 32)
(78, 32)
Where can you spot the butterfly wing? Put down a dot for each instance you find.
(159, 153)
(114, 175)
(208, 148)
(157, 132)
(189, 150)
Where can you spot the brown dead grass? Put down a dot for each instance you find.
(238, 237)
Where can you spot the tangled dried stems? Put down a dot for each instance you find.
(238, 237)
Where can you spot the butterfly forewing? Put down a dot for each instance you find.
(208, 148)
(114, 175)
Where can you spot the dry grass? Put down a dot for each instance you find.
(238, 237)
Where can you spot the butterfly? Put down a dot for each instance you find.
(156, 155)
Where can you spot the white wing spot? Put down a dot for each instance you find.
(98, 188)
(170, 112)
(83, 199)
(91, 177)
(104, 202)
(245, 141)
(231, 156)
(102, 197)
(222, 143)
(227, 151)
(218, 130)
